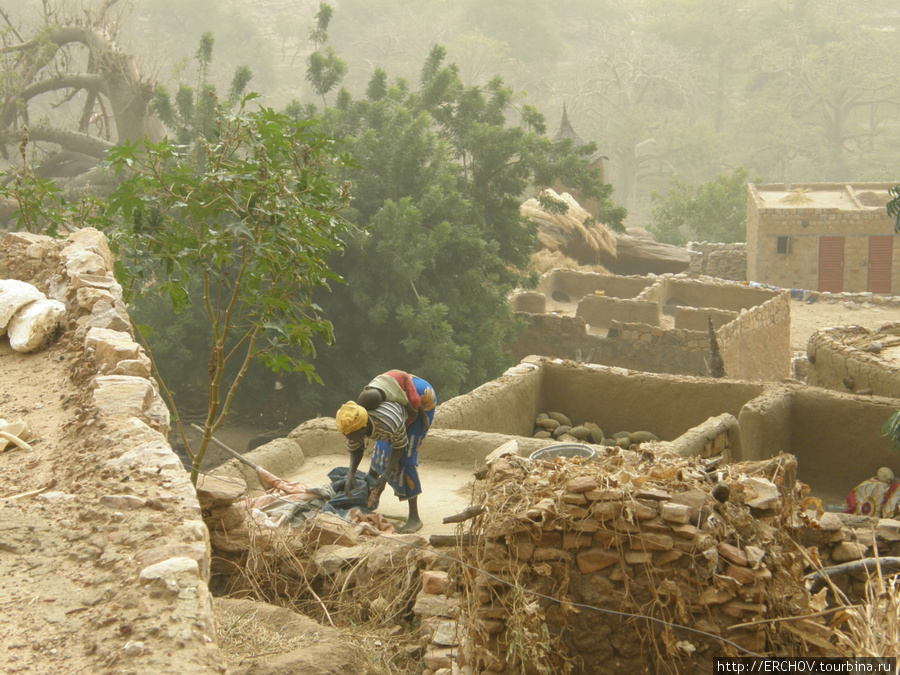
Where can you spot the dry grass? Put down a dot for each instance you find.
(546, 260)
(871, 628)
(559, 231)
(240, 636)
(368, 601)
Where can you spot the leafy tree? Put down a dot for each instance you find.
(714, 211)
(893, 207)
(192, 114)
(252, 217)
(324, 69)
(438, 197)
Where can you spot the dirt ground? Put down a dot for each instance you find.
(51, 569)
(807, 319)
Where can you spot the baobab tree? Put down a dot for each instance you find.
(68, 83)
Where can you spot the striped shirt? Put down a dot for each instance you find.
(389, 424)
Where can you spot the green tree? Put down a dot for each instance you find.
(893, 207)
(714, 211)
(324, 70)
(252, 218)
(438, 197)
(192, 114)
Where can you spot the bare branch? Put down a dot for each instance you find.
(71, 140)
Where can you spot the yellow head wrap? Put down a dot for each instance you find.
(350, 417)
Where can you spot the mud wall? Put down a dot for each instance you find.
(757, 344)
(837, 439)
(619, 400)
(639, 346)
(835, 365)
(507, 405)
(533, 302)
(765, 424)
(636, 346)
(599, 311)
(695, 318)
(576, 284)
(727, 296)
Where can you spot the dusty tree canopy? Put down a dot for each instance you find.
(70, 85)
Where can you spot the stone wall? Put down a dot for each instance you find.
(835, 365)
(803, 226)
(150, 566)
(715, 259)
(757, 344)
(611, 548)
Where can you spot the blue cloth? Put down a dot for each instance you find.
(359, 497)
(405, 479)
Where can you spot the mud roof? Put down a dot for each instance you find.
(836, 196)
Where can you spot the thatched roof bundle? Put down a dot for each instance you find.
(571, 233)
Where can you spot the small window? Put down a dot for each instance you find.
(784, 244)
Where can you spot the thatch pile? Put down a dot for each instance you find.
(629, 563)
(572, 233)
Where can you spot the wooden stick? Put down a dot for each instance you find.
(34, 493)
(864, 565)
(438, 540)
(464, 515)
(238, 456)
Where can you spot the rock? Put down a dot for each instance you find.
(675, 513)
(888, 529)
(582, 433)
(435, 582)
(330, 559)
(596, 559)
(582, 484)
(639, 254)
(446, 633)
(733, 554)
(214, 492)
(542, 434)
(123, 502)
(35, 324)
(560, 431)
(652, 542)
(435, 605)
(643, 437)
(559, 417)
(14, 295)
(174, 574)
(847, 551)
(830, 522)
(548, 424)
(327, 528)
(762, 494)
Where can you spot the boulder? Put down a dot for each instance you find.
(35, 324)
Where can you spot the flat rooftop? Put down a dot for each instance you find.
(837, 196)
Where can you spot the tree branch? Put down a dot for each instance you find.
(89, 81)
(71, 140)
